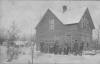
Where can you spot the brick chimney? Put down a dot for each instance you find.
(64, 8)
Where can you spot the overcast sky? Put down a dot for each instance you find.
(27, 14)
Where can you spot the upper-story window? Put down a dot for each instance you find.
(66, 38)
(88, 26)
(85, 23)
(51, 25)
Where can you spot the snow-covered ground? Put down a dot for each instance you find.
(40, 58)
(58, 59)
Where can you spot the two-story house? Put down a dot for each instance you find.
(64, 27)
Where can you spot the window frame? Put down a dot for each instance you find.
(51, 24)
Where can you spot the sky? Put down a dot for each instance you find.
(27, 14)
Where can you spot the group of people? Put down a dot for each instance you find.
(75, 49)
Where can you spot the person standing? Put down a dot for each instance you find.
(76, 47)
(81, 48)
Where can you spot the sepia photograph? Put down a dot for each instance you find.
(49, 32)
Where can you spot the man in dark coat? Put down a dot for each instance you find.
(81, 47)
(56, 47)
(66, 49)
(76, 47)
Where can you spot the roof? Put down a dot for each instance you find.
(71, 24)
(72, 15)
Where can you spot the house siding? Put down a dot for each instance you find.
(61, 33)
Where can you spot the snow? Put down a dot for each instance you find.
(41, 58)
(3, 55)
(65, 59)
(86, 59)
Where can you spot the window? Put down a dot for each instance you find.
(65, 37)
(88, 26)
(69, 38)
(81, 24)
(85, 23)
(51, 23)
(83, 38)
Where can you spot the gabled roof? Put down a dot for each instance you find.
(70, 16)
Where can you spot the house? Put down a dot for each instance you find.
(64, 28)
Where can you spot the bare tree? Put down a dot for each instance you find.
(13, 32)
(13, 36)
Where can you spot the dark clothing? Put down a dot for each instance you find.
(76, 50)
(81, 48)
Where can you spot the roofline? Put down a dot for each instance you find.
(44, 15)
(41, 19)
(71, 24)
(54, 15)
(61, 21)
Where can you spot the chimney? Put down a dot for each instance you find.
(64, 8)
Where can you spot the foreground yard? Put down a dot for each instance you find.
(40, 58)
(58, 59)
